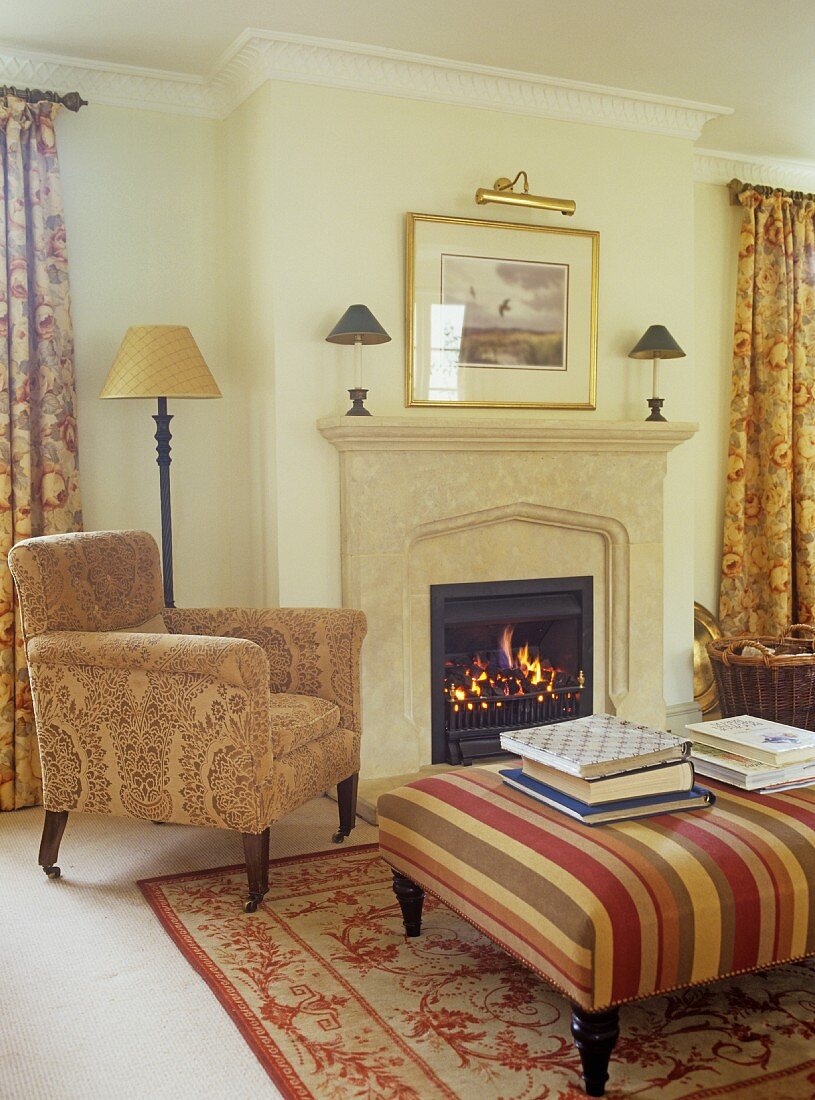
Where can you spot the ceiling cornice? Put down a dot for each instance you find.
(257, 56)
(118, 85)
(717, 166)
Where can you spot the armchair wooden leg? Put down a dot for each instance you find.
(52, 830)
(256, 853)
(347, 803)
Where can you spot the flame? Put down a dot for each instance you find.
(485, 680)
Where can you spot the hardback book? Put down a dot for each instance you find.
(625, 810)
(749, 775)
(676, 775)
(596, 746)
(757, 739)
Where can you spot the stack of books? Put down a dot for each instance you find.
(753, 753)
(601, 769)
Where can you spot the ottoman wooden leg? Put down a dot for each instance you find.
(410, 897)
(595, 1034)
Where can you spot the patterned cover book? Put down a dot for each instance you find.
(626, 810)
(757, 739)
(598, 745)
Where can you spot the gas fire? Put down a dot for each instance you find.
(510, 672)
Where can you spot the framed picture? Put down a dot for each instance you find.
(500, 315)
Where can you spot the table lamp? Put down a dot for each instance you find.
(357, 326)
(656, 343)
(161, 361)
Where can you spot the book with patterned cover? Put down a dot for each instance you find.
(597, 745)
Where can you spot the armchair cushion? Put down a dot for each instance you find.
(297, 720)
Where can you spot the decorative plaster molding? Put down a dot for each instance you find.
(437, 433)
(415, 76)
(118, 85)
(258, 55)
(715, 166)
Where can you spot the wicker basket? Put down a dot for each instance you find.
(779, 685)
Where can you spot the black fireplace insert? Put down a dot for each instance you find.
(507, 655)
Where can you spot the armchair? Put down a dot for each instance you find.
(223, 717)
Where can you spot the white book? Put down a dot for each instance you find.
(757, 739)
(597, 745)
(749, 775)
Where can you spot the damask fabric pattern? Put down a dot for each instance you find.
(39, 474)
(616, 912)
(179, 726)
(311, 651)
(768, 563)
(96, 580)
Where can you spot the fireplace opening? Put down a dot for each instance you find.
(507, 655)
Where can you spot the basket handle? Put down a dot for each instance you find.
(790, 632)
(730, 650)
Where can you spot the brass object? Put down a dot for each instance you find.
(502, 192)
(581, 679)
(705, 629)
(71, 101)
(410, 311)
(736, 187)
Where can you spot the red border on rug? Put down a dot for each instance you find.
(258, 1039)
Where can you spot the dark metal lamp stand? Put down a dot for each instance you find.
(163, 437)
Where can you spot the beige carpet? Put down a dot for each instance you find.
(95, 999)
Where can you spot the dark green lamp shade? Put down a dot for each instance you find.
(656, 341)
(357, 321)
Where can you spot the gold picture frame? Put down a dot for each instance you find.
(500, 314)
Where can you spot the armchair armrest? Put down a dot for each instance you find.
(234, 661)
(311, 651)
(156, 726)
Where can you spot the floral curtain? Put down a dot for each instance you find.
(39, 487)
(768, 577)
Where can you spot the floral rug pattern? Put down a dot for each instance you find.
(338, 1005)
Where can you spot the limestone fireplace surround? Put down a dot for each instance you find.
(441, 500)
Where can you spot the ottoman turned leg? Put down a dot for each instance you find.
(410, 897)
(595, 1034)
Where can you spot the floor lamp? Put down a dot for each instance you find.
(161, 361)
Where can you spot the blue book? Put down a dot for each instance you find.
(624, 810)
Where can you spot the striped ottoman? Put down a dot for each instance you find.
(613, 913)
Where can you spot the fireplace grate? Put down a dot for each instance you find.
(511, 712)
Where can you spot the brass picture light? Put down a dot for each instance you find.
(501, 191)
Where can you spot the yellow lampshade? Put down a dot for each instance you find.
(159, 361)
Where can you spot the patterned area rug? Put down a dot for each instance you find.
(338, 1005)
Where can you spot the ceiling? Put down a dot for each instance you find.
(756, 57)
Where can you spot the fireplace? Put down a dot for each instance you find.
(507, 655)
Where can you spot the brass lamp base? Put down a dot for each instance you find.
(358, 407)
(655, 404)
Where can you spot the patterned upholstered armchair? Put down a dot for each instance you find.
(222, 717)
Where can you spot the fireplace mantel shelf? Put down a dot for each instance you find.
(447, 433)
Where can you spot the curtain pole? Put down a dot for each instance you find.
(736, 187)
(72, 101)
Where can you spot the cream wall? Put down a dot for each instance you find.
(716, 241)
(339, 169)
(143, 213)
(259, 231)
